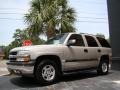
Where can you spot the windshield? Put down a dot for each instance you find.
(59, 39)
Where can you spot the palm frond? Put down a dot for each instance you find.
(45, 15)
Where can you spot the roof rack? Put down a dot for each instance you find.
(92, 35)
(88, 34)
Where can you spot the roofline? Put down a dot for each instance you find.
(84, 34)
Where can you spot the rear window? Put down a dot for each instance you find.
(103, 42)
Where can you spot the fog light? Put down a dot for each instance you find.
(17, 72)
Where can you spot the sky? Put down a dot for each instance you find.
(91, 17)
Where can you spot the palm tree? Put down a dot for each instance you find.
(50, 17)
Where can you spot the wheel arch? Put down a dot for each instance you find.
(104, 57)
(55, 58)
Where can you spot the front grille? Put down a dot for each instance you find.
(12, 56)
(13, 53)
(12, 59)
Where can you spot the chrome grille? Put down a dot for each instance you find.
(13, 53)
(12, 59)
(12, 56)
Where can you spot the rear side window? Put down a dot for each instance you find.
(91, 41)
(103, 42)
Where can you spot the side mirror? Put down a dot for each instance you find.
(71, 42)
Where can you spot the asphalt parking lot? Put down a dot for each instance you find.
(77, 81)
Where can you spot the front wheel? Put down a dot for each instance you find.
(103, 68)
(46, 72)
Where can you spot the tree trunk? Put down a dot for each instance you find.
(50, 32)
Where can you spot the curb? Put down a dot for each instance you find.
(7, 74)
(3, 68)
(3, 71)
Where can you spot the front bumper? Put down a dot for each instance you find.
(20, 68)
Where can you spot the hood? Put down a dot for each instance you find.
(36, 47)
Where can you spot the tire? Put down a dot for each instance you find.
(103, 67)
(46, 72)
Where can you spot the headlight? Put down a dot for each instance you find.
(23, 56)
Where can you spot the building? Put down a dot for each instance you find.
(114, 28)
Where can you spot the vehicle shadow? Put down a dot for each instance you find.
(78, 76)
(32, 83)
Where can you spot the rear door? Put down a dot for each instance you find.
(93, 51)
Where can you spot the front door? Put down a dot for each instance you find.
(75, 54)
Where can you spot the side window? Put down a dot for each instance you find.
(91, 41)
(78, 38)
(103, 42)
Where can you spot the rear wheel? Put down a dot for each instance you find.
(46, 72)
(103, 67)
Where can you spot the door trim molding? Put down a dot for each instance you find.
(81, 60)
